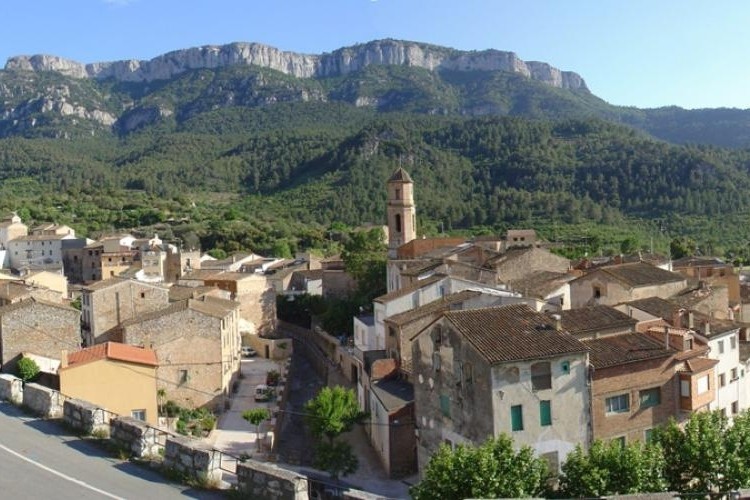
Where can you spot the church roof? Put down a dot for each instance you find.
(400, 175)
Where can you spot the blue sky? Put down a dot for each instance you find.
(640, 53)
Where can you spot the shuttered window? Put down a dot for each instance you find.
(545, 413)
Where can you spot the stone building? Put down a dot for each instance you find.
(482, 372)
(256, 298)
(392, 426)
(614, 285)
(519, 262)
(401, 211)
(106, 304)
(42, 249)
(37, 327)
(197, 343)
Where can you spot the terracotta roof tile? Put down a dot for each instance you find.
(114, 351)
(641, 274)
(513, 333)
(594, 318)
(698, 365)
(627, 348)
(400, 175)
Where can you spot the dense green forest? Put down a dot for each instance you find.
(244, 157)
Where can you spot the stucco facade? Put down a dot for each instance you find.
(124, 386)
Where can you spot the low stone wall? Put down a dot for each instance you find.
(85, 417)
(11, 388)
(135, 436)
(192, 458)
(266, 481)
(42, 400)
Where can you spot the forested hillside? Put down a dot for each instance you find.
(244, 157)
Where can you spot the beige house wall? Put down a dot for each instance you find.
(120, 387)
(54, 281)
(613, 292)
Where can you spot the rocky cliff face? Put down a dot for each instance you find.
(337, 63)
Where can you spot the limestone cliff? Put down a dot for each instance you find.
(337, 63)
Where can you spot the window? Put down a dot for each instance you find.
(183, 376)
(553, 462)
(722, 380)
(703, 384)
(398, 194)
(688, 345)
(391, 331)
(733, 375)
(565, 367)
(138, 414)
(516, 418)
(143, 295)
(733, 342)
(398, 223)
(735, 408)
(541, 376)
(618, 404)
(650, 397)
(620, 441)
(437, 336)
(545, 413)
(436, 361)
(721, 347)
(468, 373)
(685, 388)
(597, 292)
(445, 405)
(648, 435)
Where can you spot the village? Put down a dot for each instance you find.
(474, 337)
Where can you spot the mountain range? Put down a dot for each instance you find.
(491, 139)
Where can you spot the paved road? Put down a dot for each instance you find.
(233, 434)
(40, 459)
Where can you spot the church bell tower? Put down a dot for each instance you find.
(402, 213)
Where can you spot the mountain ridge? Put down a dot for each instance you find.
(339, 62)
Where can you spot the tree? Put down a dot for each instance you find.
(629, 245)
(256, 416)
(610, 469)
(697, 453)
(364, 256)
(492, 470)
(332, 412)
(27, 369)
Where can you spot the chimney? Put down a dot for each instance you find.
(691, 320)
(706, 328)
(676, 319)
(666, 337)
(558, 321)
(64, 358)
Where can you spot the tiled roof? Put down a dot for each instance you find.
(199, 274)
(182, 292)
(436, 306)
(400, 175)
(13, 289)
(513, 333)
(541, 283)
(656, 306)
(114, 351)
(215, 307)
(409, 289)
(310, 274)
(231, 276)
(698, 365)
(617, 350)
(393, 393)
(421, 267)
(699, 262)
(641, 274)
(30, 302)
(41, 237)
(594, 318)
(117, 281)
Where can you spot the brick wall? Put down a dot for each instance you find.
(631, 379)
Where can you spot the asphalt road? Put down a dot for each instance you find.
(40, 459)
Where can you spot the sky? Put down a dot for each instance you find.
(643, 53)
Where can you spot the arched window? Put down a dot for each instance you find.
(398, 223)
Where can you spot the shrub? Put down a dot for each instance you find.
(27, 369)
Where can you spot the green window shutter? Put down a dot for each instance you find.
(445, 405)
(545, 413)
(516, 418)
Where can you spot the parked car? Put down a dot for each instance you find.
(263, 393)
(248, 352)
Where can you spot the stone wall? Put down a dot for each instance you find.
(85, 417)
(135, 436)
(192, 458)
(11, 388)
(266, 481)
(43, 401)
